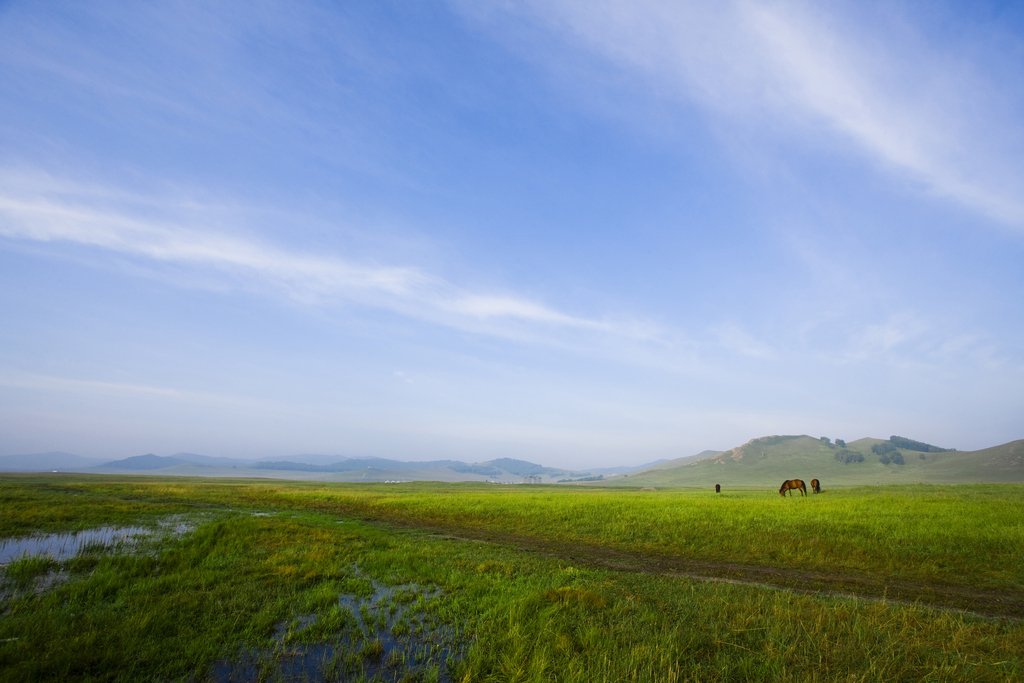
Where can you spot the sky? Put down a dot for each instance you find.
(576, 233)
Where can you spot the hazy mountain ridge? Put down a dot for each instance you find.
(442, 470)
(45, 462)
(762, 462)
(625, 469)
(341, 469)
(146, 462)
(349, 465)
(213, 461)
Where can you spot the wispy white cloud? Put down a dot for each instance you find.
(887, 336)
(22, 380)
(36, 208)
(40, 210)
(733, 337)
(783, 66)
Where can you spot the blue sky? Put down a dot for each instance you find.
(576, 233)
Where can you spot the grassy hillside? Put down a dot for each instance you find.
(677, 462)
(767, 461)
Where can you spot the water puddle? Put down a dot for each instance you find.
(66, 545)
(387, 636)
(63, 546)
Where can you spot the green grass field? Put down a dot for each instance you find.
(350, 582)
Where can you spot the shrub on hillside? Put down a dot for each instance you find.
(882, 448)
(911, 445)
(772, 440)
(894, 457)
(884, 459)
(922, 456)
(825, 439)
(840, 443)
(846, 456)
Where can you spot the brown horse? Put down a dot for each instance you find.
(718, 488)
(815, 486)
(790, 484)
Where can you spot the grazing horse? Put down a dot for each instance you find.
(718, 488)
(789, 484)
(815, 486)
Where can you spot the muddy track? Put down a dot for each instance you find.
(1002, 603)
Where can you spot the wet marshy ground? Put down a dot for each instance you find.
(37, 563)
(360, 630)
(63, 546)
(387, 636)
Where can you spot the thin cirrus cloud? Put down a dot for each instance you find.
(49, 212)
(783, 66)
(20, 380)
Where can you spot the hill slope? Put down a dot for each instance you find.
(769, 460)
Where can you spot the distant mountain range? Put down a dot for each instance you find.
(351, 464)
(341, 469)
(761, 462)
(47, 462)
(628, 468)
(443, 470)
(212, 461)
(146, 462)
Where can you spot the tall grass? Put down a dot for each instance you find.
(969, 536)
(171, 611)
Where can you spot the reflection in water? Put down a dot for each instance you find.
(387, 637)
(62, 546)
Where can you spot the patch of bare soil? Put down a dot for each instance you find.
(1002, 603)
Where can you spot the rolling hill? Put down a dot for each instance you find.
(769, 460)
(144, 462)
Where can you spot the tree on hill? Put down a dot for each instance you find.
(840, 443)
(772, 440)
(911, 445)
(883, 448)
(827, 440)
(847, 456)
(893, 457)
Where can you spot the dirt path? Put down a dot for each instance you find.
(1006, 603)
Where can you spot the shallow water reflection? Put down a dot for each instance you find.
(387, 637)
(62, 546)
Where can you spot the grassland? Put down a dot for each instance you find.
(576, 585)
